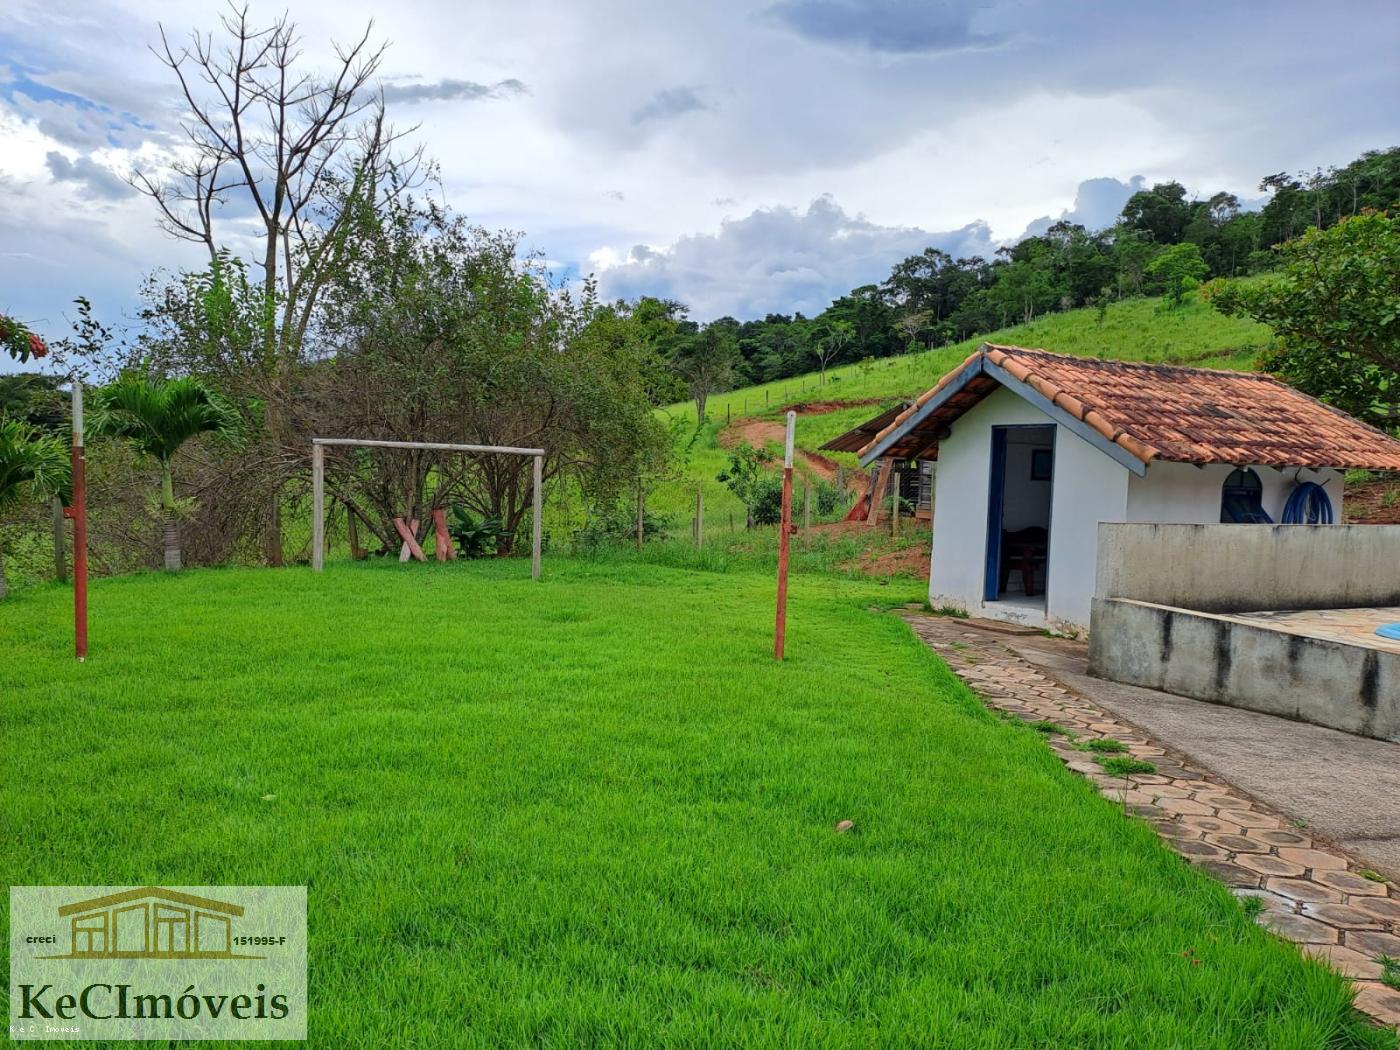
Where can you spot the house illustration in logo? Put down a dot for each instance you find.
(151, 923)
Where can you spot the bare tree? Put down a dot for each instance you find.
(912, 324)
(297, 149)
(827, 348)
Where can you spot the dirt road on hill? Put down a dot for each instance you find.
(758, 432)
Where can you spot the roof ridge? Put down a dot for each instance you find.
(1155, 411)
(1114, 362)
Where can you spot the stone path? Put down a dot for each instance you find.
(1309, 892)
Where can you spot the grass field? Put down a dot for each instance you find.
(593, 811)
(1132, 330)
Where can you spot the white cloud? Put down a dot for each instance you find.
(653, 124)
(776, 260)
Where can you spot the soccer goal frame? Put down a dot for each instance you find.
(318, 487)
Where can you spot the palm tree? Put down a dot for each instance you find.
(33, 464)
(158, 416)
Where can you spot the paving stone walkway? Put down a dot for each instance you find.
(1309, 892)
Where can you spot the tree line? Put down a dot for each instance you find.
(371, 310)
(368, 310)
(1164, 242)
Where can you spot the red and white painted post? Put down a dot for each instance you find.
(78, 513)
(784, 533)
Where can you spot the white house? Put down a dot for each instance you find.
(1035, 449)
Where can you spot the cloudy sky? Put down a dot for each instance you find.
(742, 157)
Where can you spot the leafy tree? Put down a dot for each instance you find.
(1162, 213)
(1336, 310)
(1025, 288)
(33, 465)
(1177, 270)
(706, 362)
(35, 399)
(436, 330)
(872, 317)
(932, 284)
(747, 476)
(157, 416)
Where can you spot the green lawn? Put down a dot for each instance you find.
(593, 811)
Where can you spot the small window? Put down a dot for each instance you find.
(1042, 464)
(1241, 499)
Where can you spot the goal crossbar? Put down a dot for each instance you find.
(318, 486)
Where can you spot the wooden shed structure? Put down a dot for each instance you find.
(915, 475)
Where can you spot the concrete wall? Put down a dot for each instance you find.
(1182, 493)
(1239, 568)
(1211, 657)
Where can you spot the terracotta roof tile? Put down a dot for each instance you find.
(1186, 415)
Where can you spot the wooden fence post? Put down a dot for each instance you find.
(894, 518)
(78, 512)
(537, 525)
(784, 531)
(806, 516)
(318, 508)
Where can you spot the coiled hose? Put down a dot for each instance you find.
(1308, 504)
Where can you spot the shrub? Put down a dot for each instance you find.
(618, 526)
(767, 505)
(829, 498)
(475, 538)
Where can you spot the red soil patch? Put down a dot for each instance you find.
(758, 432)
(876, 560)
(817, 408)
(1373, 502)
(911, 561)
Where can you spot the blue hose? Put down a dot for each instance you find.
(1308, 504)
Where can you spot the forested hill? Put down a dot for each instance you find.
(1137, 329)
(1164, 243)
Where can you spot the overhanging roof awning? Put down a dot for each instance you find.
(857, 438)
(1137, 413)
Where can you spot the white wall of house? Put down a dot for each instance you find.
(1089, 487)
(1182, 494)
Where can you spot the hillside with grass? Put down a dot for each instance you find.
(1144, 329)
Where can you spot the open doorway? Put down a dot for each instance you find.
(1018, 515)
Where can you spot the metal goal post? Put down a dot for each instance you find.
(318, 487)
